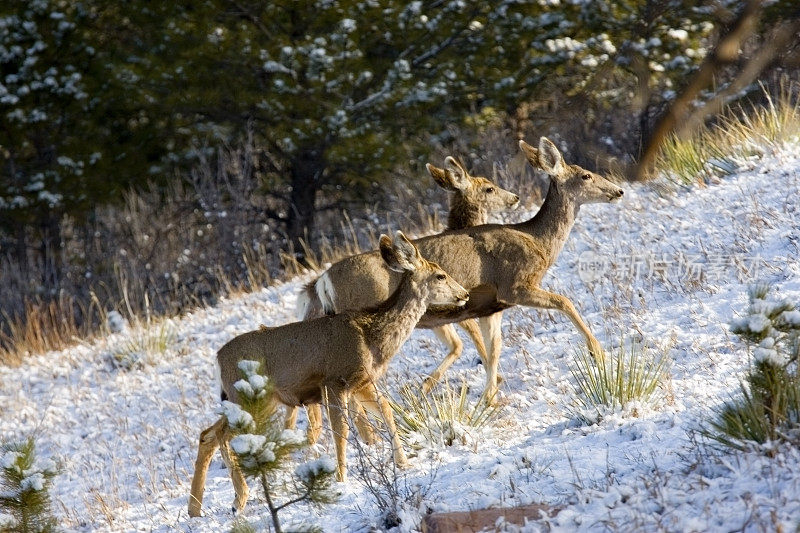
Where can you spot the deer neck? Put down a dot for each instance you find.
(554, 220)
(464, 214)
(387, 326)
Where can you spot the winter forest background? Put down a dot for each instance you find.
(155, 155)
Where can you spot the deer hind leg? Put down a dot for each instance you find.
(336, 401)
(214, 437)
(374, 402)
(493, 340)
(447, 334)
(239, 484)
(543, 299)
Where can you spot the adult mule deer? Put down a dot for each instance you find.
(501, 265)
(473, 200)
(337, 356)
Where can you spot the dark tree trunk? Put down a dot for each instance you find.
(306, 179)
(51, 253)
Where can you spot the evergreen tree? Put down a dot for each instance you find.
(263, 448)
(24, 480)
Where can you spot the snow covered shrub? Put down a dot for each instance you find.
(262, 447)
(145, 344)
(769, 408)
(442, 418)
(626, 381)
(24, 483)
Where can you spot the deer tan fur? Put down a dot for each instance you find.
(473, 200)
(501, 265)
(338, 356)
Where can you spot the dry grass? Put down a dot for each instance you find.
(738, 134)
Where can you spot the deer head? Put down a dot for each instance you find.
(476, 190)
(579, 184)
(434, 284)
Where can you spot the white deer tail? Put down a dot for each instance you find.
(316, 299)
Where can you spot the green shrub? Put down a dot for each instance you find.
(262, 447)
(24, 485)
(768, 410)
(627, 379)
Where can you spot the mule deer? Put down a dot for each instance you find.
(501, 265)
(335, 356)
(473, 199)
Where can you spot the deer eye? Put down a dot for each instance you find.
(586, 177)
(441, 277)
(490, 190)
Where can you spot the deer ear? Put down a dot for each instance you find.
(459, 178)
(407, 252)
(389, 254)
(550, 159)
(440, 177)
(531, 154)
(399, 255)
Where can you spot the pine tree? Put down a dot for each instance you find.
(263, 448)
(24, 485)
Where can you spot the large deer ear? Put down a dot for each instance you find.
(550, 159)
(531, 154)
(452, 178)
(397, 255)
(407, 251)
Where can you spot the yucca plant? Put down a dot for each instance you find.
(628, 377)
(443, 417)
(24, 483)
(768, 409)
(262, 447)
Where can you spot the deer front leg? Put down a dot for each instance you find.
(314, 413)
(447, 334)
(291, 417)
(537, 297)
(493, 340)
(375, 403)
(337, 405)
(239, 483)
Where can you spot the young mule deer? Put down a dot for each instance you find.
(335, 356)
(501, 265)
(473, 200)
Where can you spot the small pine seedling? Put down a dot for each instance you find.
(769, 407)
(24, 483)
(262, 447)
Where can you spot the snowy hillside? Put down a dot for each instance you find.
(671, 267)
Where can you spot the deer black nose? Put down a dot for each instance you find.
(621, 192)
(516, 198)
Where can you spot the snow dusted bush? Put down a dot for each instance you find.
(262, 447)
(24, 483)
(627, 382)
(769, 408)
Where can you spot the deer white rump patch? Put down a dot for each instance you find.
(326, 293)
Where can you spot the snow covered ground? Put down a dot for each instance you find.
(669, 266)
